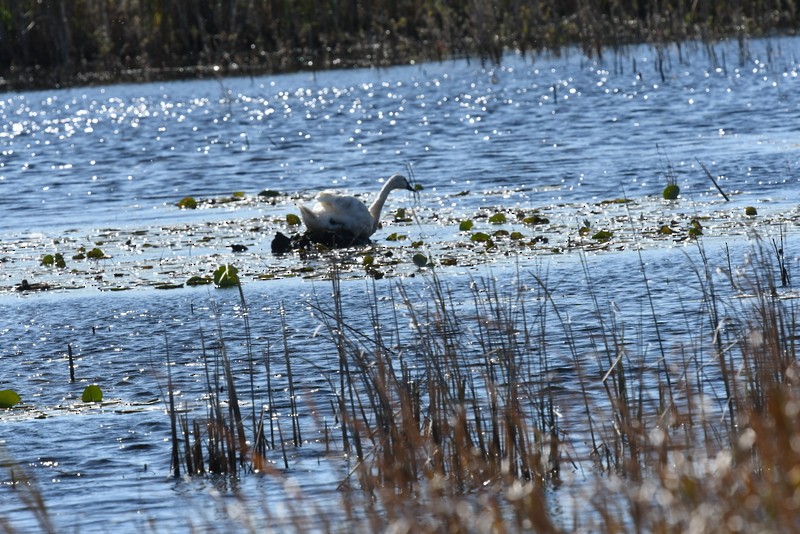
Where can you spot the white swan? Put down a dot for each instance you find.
(346, 220)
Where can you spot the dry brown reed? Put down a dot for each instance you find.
(479, 414)
(469, 419)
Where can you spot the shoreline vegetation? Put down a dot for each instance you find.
(474, 415)
(506, 412)
(62, 43)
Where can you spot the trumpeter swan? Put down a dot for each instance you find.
(345, 219)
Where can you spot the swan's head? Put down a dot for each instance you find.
(398, 181)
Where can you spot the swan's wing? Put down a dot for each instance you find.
(310, 218)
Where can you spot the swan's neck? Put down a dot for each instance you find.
(377, 206)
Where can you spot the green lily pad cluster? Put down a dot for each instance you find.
(54, 260)
(191, 203)
(501, 218)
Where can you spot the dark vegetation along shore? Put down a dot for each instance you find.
(56, 43)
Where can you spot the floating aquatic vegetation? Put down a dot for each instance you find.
(498, 218)
(269, 193)
(92, 393)
(167, 256)
(96, 254)
(226, 276)
(480, 237)
(292, 219)
(671, 192)
(420, 260)
(603, 236)
(168, 286)
(535, 219)
(187, 203)
(54, 260)
(400, 216)
(750, 211)
(9, 398)
(695, 228)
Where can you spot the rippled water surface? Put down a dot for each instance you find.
(558, 135)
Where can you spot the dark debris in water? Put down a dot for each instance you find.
(315, 242)
(184, 254)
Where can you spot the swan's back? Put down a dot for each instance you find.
(338, 214)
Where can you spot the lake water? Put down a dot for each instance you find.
(104, 166)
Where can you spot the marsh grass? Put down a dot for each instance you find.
(509, 410)
(54, 44)
(478, 414)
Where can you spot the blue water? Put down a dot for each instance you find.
(531, 133)
(571, 128)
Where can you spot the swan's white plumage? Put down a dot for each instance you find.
(346, 216)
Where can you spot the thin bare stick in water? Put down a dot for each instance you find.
(713, 180)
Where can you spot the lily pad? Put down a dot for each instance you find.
(8, 398)
(671, 192)
(95, 254)
(92, 393)
(480, 237)
(466, 226)
(54, 260)
(226, 276)
(536, 219)
(187, 203)
(401, 216)
(603, 236)
(498, 218)
(292, 219)
(420, 260)
(750, 211)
